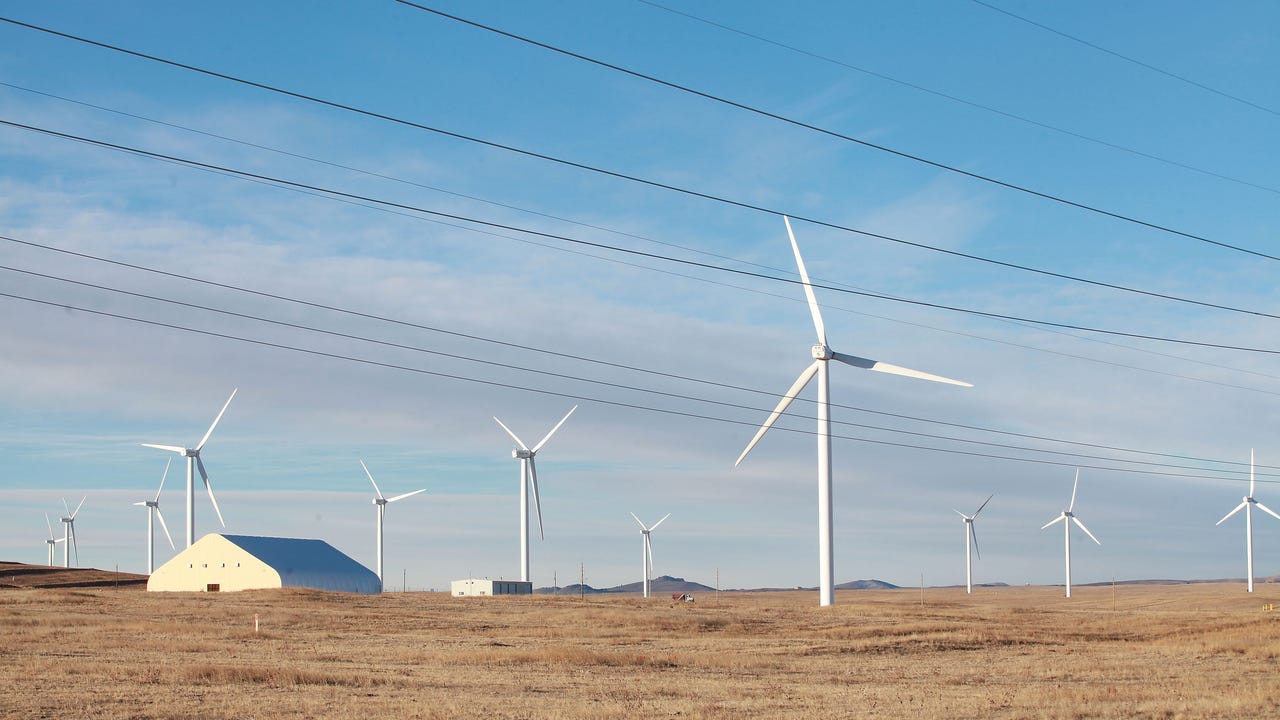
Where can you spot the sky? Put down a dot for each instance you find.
(436, 224)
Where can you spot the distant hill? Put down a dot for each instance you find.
(21, 575)
(658, 586)
(866, 585)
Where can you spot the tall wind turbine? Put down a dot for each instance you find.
(1066, 518)
(381, 502)
(1247, 505)
(153, 510)
(529, 479)
(971, 543)
(52, 540)
(822, 353)
(647, 560)
(69, 533)
(193, 463)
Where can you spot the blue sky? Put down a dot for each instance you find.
(81, 391)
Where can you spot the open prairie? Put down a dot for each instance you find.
(1177, 651)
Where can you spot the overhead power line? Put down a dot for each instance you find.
(573, 396)
(589, 360)
(841, 136)
(1127, 58)
(655, 256)
(958, 99)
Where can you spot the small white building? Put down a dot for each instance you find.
(223, 563)
(473, 587)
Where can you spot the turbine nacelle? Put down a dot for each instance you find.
(821, 352)
(521, 454)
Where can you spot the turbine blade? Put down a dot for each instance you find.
(1076, 485)
(166, 528)
(973, 534)
(513, 435)
(966, 517)
(884, 367)
(163, 478)
(73, 515)
(75, 549)
(209, 488)
(655, 525)
(984, 504)
(66, 508)
(141, 504)
(1237, 509)
(808, 287)
(537, 504)
(648, 548)
(205, 439)
(408, 494)
(375, 485)
(791, 394)
(48, 525)
(1076, 520)
(538, 447)
(170, 448)
(1054, 521)
(1266, 509)
(642, 527)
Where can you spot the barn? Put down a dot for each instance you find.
(474, 587)
(223, 563)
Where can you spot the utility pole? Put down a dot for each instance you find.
(582, 580)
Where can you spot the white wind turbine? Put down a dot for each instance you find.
(69, 533)
(822, 353)
(52, 540)
(381, 502)
(193, 463)
(648, 549)
(971, 543)
(153, 510)
(1066, 518)
(1247, 505)
(529, 479)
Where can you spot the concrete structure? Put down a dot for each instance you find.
(222, 563)
(472, 587)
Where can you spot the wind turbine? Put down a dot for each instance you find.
(381, 502)
(822, 353)
(1066, 518)
(529, 479)
(153, 510)
(647, 559)
(52, 540)
(971, 544)
(1247, 505)
(69, 533)
(193, 463)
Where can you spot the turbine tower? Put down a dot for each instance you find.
(647, 559)
(153, 510)
(971, 544)
(69, 533)
(822, 354)
(381, 502)
(1247, 505)
(193, 463)
(52, 540)
(529, 479)
(1066, 518)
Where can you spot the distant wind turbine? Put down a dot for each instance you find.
(1247, 505)
(1066, 518)
(153, 511)
(69, 533)
(529, 480)
(971, 543)
(647, 559)
(193, 463)
(822, 354)
(52, 540)
(381, 502)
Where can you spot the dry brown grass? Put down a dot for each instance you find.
(1186, 651)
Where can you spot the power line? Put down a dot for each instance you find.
(584, 398)
(841, 136)
(1126, 58)
(957, 99)
(656, 256)
(580, 358)
(574, 164)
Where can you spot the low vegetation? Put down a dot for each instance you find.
(1182, 651)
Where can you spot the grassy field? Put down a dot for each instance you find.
(1183, 651)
